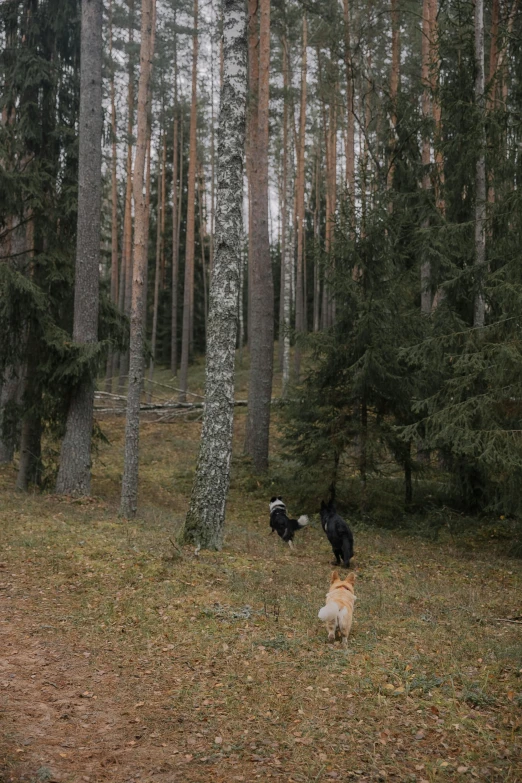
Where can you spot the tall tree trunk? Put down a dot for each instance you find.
(188, 291)
(287, 245)
(129, 488)
(437, 117)
(157, 276)
(300, 325)
(206, 514)
(251, 139)
(126, 257)
(350, 114)
(479, 310)
(394, 87)
(111, 359)
(262, 300)
(202, 235)
(317, 212)
(74, 475)
(163, 209)
(176, 196)
(425, 271)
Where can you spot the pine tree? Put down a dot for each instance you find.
(129, 490)
(261, 333)
(188, 289)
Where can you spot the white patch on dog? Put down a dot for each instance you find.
(276, 504)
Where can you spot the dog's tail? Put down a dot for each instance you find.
(329, 612)
(303, 520)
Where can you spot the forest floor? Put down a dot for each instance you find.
(126, 659)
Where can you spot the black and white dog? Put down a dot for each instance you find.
(279, 522)
(338, 533)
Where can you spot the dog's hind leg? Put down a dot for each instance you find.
(290, 544)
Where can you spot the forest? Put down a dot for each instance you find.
(252, 249)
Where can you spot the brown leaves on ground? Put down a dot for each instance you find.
(119, 662)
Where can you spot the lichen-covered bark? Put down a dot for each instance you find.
(206, 515)
(129, 488)
(74, 475)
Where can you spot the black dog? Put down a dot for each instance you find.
(279, 522)
(338, 533)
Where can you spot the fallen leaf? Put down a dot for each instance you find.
(462, 769)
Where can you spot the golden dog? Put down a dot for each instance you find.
(338, 611)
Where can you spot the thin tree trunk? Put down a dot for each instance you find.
(188, 291)
(251, 139)
(129, 489)
(281, 190)
(206, 514)
(157, 278)
(317, 212)
(350, 115)
(126, 258)
(437, 118)
(202, 234)
(300, 212)
(287, 259)
(394, 87)
(177, 193)
(74, 475)
(479, 311)
(111, 366)
(425, 271)
(175, 237)
(262, 300)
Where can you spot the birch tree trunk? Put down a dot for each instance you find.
(206, 514)
(74, 475)
(129, 489)
(188, 290)
(479, 310)
(262, 299)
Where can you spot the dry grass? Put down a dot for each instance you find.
(126, 660)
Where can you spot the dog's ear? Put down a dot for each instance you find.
(273, 499)
(351, 578)
(323, 505)
(279, 497)
(334, 577)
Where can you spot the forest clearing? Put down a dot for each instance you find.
(127, 658)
